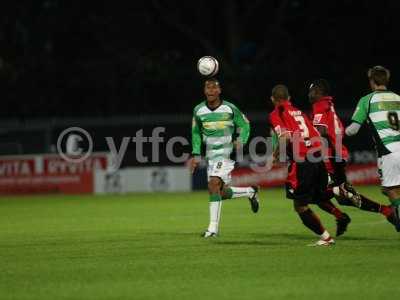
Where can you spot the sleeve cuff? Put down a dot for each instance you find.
(355, 121)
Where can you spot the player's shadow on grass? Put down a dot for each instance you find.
(282, 236)
(276, 239)
(264, 239)
(361, 238)
(248, 243)
(302, 237)
(267, 239)
(176, 234)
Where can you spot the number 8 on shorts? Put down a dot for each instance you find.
(220, 168)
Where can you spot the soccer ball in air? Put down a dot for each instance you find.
(208, 66)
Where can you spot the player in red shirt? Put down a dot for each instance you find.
(307, 177)
(330, 126)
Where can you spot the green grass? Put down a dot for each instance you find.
(147, 246)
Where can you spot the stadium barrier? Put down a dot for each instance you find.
(145, 179)
(49, 173)
(358, 174)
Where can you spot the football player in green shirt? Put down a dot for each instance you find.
(381, 111)
(215, 122)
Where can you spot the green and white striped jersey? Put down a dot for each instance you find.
(381, 111)
(216, 127)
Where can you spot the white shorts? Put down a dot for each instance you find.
(389, 169)
(221, 168)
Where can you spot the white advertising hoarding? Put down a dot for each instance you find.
(146, 179)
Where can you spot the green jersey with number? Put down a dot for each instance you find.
(216, 128)
(381, 111)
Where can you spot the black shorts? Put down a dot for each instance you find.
(307, 182)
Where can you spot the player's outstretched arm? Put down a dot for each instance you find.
(352, 129)
(196, 144)
(243, 124)
(359, 117)
(196, 137)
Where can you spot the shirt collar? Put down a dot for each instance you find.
(325, 98)
(285, 103)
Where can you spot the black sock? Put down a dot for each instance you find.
(311, 221)
(344, 201)
(369, 205)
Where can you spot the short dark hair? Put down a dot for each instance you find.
(280, 92)
(212, 79)
(322, 85)
(379, 75)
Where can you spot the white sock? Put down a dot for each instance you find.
(215, 214)
(325, 235)
(242, 191)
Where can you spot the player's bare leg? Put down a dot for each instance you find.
(342, 219)
(237, 192)
(312, 222)
(214, 189)
(347, 195)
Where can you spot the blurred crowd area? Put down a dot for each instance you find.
(76, 58)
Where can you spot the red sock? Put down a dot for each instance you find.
(329, 207)
(337, 213)
(386, 210)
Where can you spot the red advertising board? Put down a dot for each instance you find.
(358, 174)
(48, 173)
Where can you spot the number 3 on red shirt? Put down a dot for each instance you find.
(305, 134)
(303, 127)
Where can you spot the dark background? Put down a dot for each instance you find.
(108, 58)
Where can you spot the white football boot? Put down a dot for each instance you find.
(209, 234)
(324, 242)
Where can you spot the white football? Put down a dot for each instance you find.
(208, 66)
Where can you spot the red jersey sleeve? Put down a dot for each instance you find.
(276, 122)
(321, 112)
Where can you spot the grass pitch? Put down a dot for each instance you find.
(148, 246)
